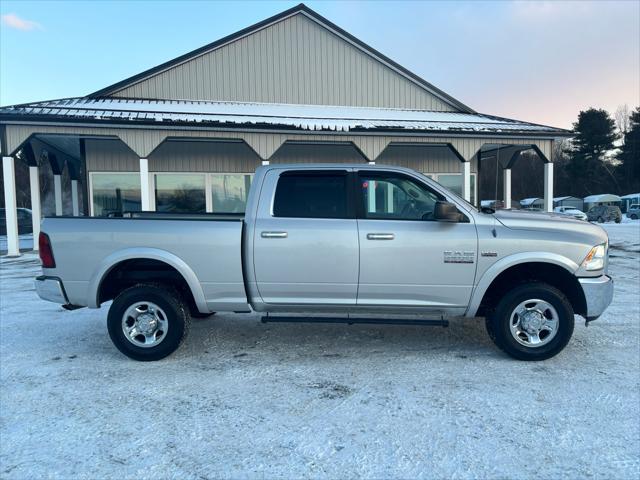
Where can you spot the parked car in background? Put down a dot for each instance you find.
(604, 213)
(571, 211)
(633, 212)
(24, 221)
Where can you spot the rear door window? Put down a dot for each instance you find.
(313, 195)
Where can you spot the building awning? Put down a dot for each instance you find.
(630, 196)
(301, 117)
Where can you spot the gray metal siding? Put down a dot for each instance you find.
(110, 156)
(423, 159)
(214, 157)
(295, 60)
(143, 142)
(318, 153)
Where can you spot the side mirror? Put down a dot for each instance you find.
(446, 212)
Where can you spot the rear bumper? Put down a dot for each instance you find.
(598, 293)
(51, 290)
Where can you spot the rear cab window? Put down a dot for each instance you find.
(314, 194)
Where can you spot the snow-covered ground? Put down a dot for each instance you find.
(245, 400)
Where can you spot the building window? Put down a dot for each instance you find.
(115, 193)
(180, 192)
(229, 192)
(453, 182)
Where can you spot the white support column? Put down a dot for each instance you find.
(389, 197)
(371, 195)
(548, 187)
(466, 181)
(10, 205)
(34, 185)
(145, 185)
(57, 190)
(74, 198)
(506, 184)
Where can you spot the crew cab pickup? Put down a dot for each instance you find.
(353, 243)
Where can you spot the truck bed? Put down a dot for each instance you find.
(204, 248)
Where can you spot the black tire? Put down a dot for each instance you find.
(174, 308)
(634, 217)
(600, 220)
(618, 220)
(498, 319)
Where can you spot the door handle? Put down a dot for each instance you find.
(380, 236)
(273, 234)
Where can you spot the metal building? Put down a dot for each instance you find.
(187, 135)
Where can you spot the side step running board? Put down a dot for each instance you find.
(351, 321)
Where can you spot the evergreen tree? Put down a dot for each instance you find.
(629, 169)
(594, 136)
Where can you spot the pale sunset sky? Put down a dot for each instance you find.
(537, 61)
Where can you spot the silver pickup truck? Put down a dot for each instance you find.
(346, 243)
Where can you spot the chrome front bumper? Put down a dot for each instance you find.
(598, 293)
(51, 290)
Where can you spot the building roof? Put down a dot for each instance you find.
(298, 9)
(559, 199)
(266, 115)
(603, 197)
(530, 201)
(631, 195)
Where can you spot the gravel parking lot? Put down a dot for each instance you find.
(243, 399)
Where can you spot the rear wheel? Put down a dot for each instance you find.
(634, 217)
(600, 220)
(148, 322)
(533, 321)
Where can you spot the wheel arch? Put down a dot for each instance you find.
(549, 268)
(121, 257)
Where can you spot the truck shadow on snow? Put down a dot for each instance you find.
(242, 336)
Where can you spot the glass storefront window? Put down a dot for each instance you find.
(229, 192)
(454, 183)
(114, 193)
(180, 193)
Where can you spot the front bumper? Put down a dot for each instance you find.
(51, 290)
(598, 293)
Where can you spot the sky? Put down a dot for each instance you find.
(541, 62)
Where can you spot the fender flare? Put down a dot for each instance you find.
(512, 260)
(109, 262)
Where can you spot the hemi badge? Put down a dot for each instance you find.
(489, 254)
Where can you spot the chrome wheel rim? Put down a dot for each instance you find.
(534, 323)
(145, 324)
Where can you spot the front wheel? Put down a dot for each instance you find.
(148, 322)
(534, 321)
(600, 220)
(634, 217)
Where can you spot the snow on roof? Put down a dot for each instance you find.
(631, 195)
(305, 117)
(603, 197)
(559, 199)
(529, 201)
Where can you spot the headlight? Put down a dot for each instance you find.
(595, 258)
